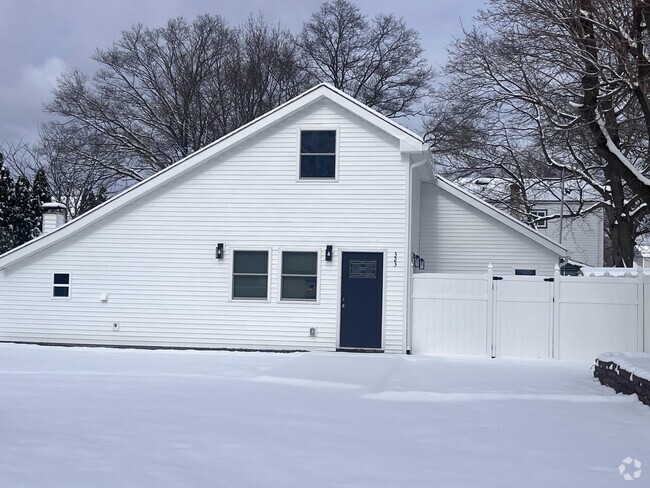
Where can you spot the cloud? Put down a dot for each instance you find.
(44, 77)
(21, 101)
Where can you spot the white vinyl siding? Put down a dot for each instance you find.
(156, 257)
(457, 238)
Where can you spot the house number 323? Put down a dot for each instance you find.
(395, 260)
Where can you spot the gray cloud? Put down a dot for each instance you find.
(22, 97)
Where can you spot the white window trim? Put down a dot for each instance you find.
(336, 156)
(318, 275)
(68, 286)
(269, 259)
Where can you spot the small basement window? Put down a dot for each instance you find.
(61, 285)
(299, 275)
(540, 213)
(250, 274)
(318, 154)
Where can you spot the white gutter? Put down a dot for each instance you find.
(408, 309)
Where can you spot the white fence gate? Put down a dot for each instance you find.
(560, 317)
(523, 317)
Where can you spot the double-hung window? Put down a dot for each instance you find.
(299, 275)
(318, 154)
(250, 274)
(61, 285)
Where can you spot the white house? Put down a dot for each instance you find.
(296, 231)
(583, 236)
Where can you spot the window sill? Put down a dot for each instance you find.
(318, 178)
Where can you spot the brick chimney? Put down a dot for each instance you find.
(516, 202)
(53, 216)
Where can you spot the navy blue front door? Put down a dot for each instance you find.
(361, 300)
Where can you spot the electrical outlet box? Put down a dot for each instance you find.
(313, 332)
(116, 326)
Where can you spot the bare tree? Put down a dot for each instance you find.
(161, 94)
(78, 163)
(378, 61)
(164, 93)
(20, 158)
(67, 162)
(263, 71)
(565, 81)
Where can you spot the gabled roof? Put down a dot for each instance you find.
(409, 142)
(500, 216)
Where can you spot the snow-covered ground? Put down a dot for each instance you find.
(83, 417)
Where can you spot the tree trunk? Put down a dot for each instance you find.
(621, 232)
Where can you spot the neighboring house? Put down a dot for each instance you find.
(583, 236)
(642, 255)
(296, 231)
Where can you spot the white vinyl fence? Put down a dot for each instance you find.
(561, 317)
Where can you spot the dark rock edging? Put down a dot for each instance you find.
(154, 348)
(611, 374)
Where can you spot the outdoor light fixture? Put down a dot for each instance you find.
(328, 253)
(417, 261)
(219, 254)
(421, 264)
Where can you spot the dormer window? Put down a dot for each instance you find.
(318, 154)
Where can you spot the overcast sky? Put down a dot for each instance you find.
(40, 39)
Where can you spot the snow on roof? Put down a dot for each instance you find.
(53, 206)
(544, 190)
(643, 250)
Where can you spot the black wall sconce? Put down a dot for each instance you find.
(328, 253)
(418, 262)
(219, 253)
